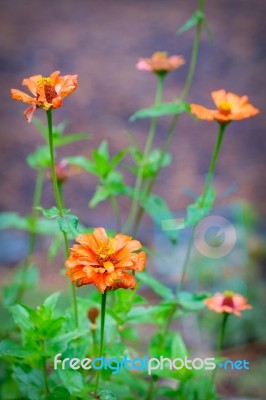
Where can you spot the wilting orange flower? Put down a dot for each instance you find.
(48, 92)
(160, 63)
(230, 107)
(64, 171)
(103, 262)
(229, 302)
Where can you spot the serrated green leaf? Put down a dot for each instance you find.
(161, 110)
(12, 349)
(68, 224)
(51, 301)
(30, 382)
(71, 380)
(196, 17)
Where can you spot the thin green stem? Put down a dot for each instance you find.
(195, 51)
(214, 159)
(59, 204)
(152, 387)
(186, 262)
(147, 149)
(35, 213)
(44, 369)
(220, 345)
(103, 306)
(116, 211)
(172, 126)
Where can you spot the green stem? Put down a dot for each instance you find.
(171, 130)
(102, 337)
(220, 344)
(152, 387)
(116, 212)
(214, 159)
(35, 213)
(44, 369)
(195, 51)
(147, 149)
(186, 262)
(59, 204)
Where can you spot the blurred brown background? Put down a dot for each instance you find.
(101, 41)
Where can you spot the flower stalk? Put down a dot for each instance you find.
(103, 306)
(147, 149)
(172, 126)
(59, 203)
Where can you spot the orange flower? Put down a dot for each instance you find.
(230, 107)
(48, 91)
(229, 302)
(64, 171)
(160, 63)
(103, 262)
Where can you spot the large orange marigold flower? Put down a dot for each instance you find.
(230, 107)
(48, 92)
(160, 63)
(229, 302)
(103, 262)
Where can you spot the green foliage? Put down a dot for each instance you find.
(68, 222)
(158, 210)
(150, 165)
(163, 109)
(23, 279)
(111, 182)
(40, 158)
(58, 133)
(196, 17)
(199, 209)
(13, 220)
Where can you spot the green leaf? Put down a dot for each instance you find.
(14, 220)
(40, 158)
(68, 224)
(163, 109)
(197, 17)
(71, 138)
(30, 382)
(21, 317)
(51, 301)
(158, 210)
(24, 278)
(55, 246)
(102, 193)
(12, 349)
(118, 157)
(82, 162)
(52, 212)
(199, 209)
(103, 150)
(162, 290)
(41, 127)
(71, 380)
(106, 394)
(192, 301)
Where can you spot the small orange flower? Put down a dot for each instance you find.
(103, 262)
(160, 63)
(229, 302)
(230, 107)
(48, 91)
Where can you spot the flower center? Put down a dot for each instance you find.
(228, 299)
(225, 107)
(105, 254)
(161, 55)
(49, 90)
